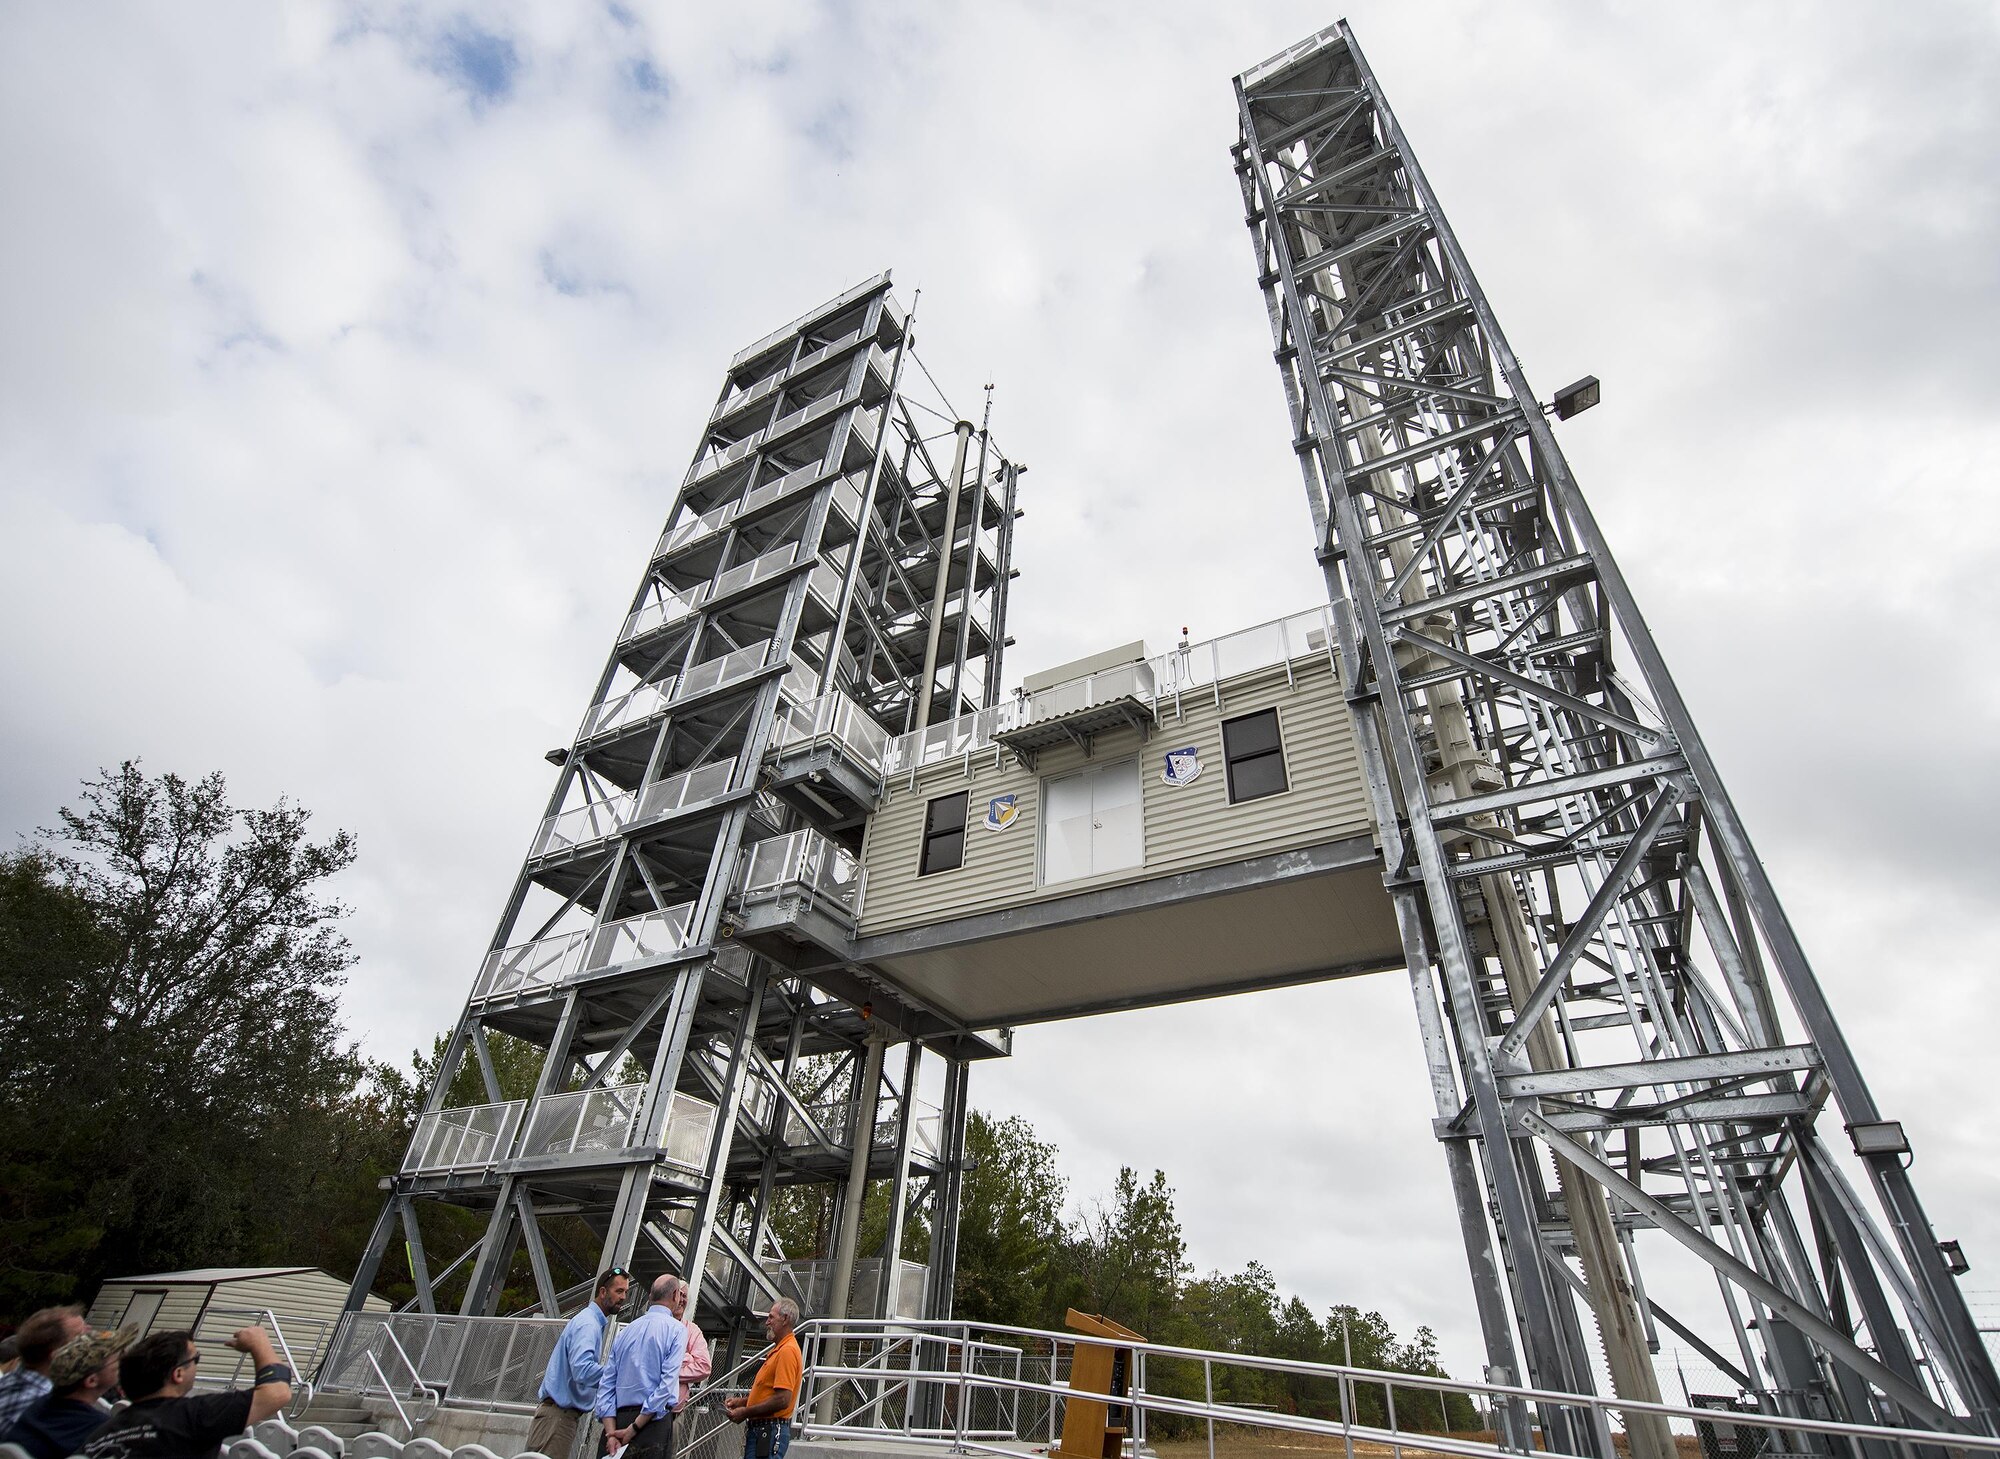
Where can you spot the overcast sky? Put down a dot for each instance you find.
(350, 355)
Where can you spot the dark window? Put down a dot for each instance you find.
(1256, 759)
(944, 835)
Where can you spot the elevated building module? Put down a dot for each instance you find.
(1127, 830)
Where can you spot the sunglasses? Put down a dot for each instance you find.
(189, 1362)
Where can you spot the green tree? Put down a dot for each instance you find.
(181, 1091)
(1010, 1231)
(1127, 1256)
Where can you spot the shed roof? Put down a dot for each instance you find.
(218, 1274)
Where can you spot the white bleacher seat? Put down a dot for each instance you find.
(276, 1435)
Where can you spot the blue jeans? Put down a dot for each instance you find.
(759, 1432)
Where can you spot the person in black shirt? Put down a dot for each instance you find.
(83, 1370)
(163, 1422)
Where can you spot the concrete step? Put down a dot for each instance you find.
(349, 1428)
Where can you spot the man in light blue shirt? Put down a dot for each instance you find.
(569, 1385)
(641, 1386)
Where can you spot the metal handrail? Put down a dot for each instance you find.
(416, 1378)
(1141, 1401)
(719, 1383)
(268, 1318)
(383, 1378)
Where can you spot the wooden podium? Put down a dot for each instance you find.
(1093, 1430)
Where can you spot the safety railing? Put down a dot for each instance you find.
(690, 1126)
(847, 497)
(834, 1115)
(735, 400)
(550, 962)
(668, 605)
(689, 787)
(474, 1362)
(831, 717)
(648, 935)
(783, 426)
(1155, 681)
(634, 706)
(546, 962)
(707, 524)
(473, 1137)
(605, 1121)
(826, 310)
(714, 673)
(581, 825)
(824, 581)
(810, 1283)
(802, 859)
(748, 574)
(595, 1120)
(1267, 645)
(1107, 686)
(943, 1383)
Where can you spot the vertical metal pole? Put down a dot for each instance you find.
(950, 1189)
(997, 627)
(863, 1141)
(899, 1190)
(701, 1222)
(968, 593)
(939, 593)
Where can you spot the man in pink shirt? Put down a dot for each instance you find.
(695, 1366)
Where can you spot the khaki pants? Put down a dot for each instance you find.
(553, 1430)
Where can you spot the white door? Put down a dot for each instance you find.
(141, 1311)
(1093, 823)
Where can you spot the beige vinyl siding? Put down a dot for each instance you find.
(179, 1308)
(1186, 827)
(306, 1304)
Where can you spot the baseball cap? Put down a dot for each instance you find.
(81, 1356)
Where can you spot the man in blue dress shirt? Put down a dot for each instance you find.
(569, 1386)
(641, 1386)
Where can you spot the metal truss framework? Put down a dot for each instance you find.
(833, 570)
(1625, 1040)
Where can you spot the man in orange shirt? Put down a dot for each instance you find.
(774, 1392)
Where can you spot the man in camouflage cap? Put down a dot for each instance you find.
(83, 1371)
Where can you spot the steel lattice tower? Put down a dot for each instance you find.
(1627, 1045)
(828, 556)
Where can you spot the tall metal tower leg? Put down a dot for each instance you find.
(952, 1120)
(1591, 910)
(706, 1210)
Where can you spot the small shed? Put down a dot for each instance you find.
(213, 1302)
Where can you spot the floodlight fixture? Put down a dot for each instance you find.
(1879, 1137)
(557, 758)
(1575, 399)
(1954, 1258)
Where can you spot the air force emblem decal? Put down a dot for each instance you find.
(1183, 766)
(1002, 811)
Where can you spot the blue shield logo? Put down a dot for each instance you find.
(1002, 811)
(1183, 766)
